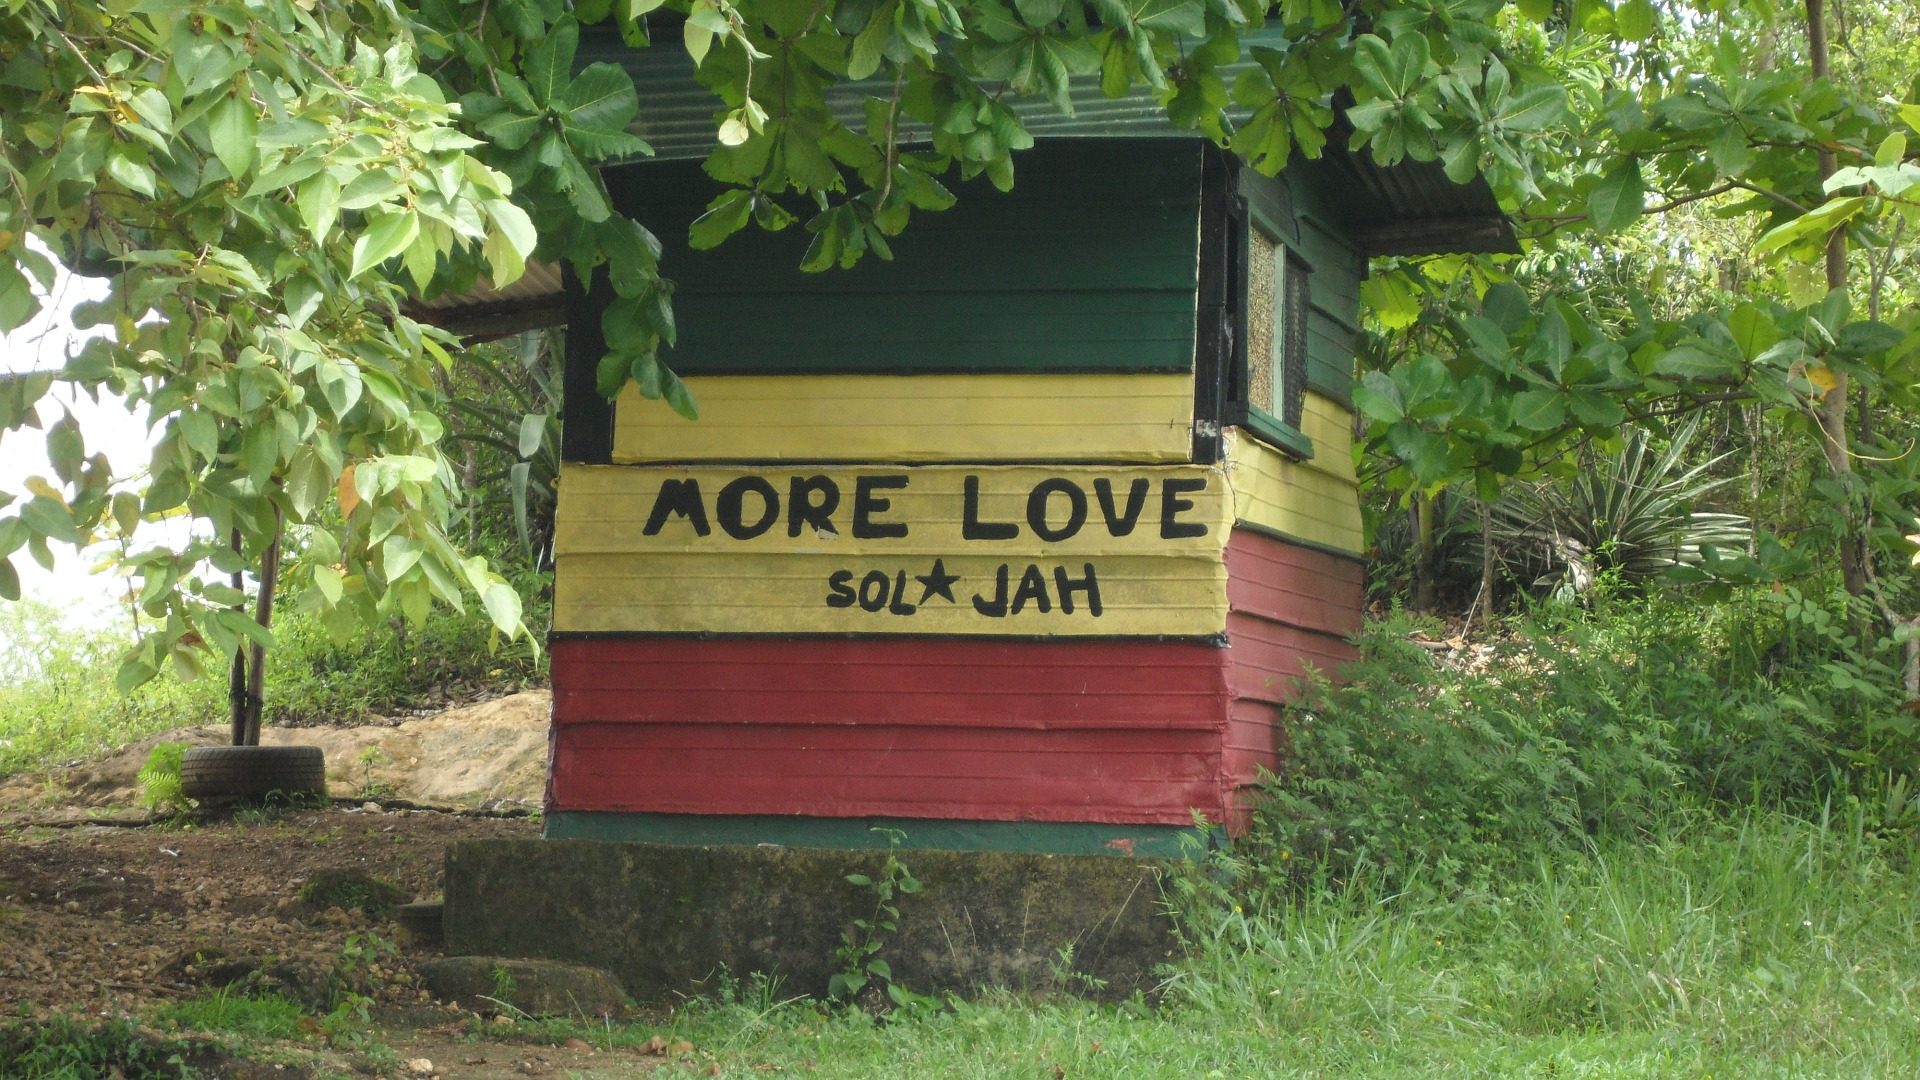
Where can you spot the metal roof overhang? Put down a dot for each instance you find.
(1408, 208)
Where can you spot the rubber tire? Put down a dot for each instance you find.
(249, 772)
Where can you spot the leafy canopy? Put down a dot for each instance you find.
(267, 181)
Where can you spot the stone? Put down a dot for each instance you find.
(663, 919)
(348, 889)
(497, 984)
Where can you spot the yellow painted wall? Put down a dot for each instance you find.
(1155, 578)
(916, 418)
(1316, 501)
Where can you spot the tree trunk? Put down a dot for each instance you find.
(257, 670)
(1831, 413)
(246, 683)
(237, 679)
(1487, 579)
(1425, 588)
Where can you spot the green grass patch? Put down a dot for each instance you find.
(1760, 947)
(64, 1048)
(224, 1012)
(1767, 945)
(58, 702)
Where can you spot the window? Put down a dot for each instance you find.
(1276, 339)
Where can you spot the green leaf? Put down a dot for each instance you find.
(1817, 222)
(133, 673)
(9, 580)
(1753, 330)
(1378, 399)
(1634, 20)
(1689, 361)
(725, 215)
(231, 129)
(1539, 410)
(503, 607)
(319, 204)
(386, 236)
(1597, 410)
(678, 397)
(533, 432)
(330, 583)
(1620, 197)
(550, 62)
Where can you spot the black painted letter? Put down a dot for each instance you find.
(681, 497)
(866, 504)
(1171, 504)
(1037, 509)
(729, 507)
(997, 607)
(1033, 586)
(802, 510)
(971, 527)
(1068, 586)
(839, 594)
(1121, 524)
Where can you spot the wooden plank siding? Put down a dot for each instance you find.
(624, 563)
(949, 729)
(1333, 312)
(1314, 502)
(915, 418)
(1290, 608)
(1089, 264)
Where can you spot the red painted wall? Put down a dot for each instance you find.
(1288, 607)
(1133, 732)
(948, 728)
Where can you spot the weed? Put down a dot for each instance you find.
(503, 984)
(64, 1048)
(268, 1016)
(369, 787)
(159, 780)
(350, 890)
(358, 968)
(858, 954)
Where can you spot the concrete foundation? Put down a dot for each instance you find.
(666, 919)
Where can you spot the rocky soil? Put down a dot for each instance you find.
(104, 913)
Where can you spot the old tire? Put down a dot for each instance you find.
(253, 772)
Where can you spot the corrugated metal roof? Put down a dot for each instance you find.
(1408, 208)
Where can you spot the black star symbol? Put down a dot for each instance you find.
(938, 582)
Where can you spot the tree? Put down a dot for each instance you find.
(265, 179)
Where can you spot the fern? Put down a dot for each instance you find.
(159, 779)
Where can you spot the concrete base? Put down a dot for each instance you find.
(666, 919)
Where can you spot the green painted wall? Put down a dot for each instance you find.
(1299, 195)
(1089, 264)
(1043, 837)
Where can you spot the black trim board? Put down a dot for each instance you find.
(586, 418)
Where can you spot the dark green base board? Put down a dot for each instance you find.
(668, 920)
(1039, 837)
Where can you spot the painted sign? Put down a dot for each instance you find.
(1008, 550)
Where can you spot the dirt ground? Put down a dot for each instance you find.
(118, 920)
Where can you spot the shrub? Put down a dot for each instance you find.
(1586, 722)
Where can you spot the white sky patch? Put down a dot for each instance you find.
(84, 598)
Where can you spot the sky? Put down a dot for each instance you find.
(82, 597)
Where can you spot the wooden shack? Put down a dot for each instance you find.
(1018, 541)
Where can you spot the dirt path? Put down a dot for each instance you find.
(111, 922)
(123, 920)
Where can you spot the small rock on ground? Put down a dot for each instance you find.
(490, 984)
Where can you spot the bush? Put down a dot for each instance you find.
(1600, 722)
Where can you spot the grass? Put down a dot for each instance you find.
(268, 1016)
(58, 702)
(1764, 946)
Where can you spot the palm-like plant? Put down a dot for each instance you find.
(1632, 515)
